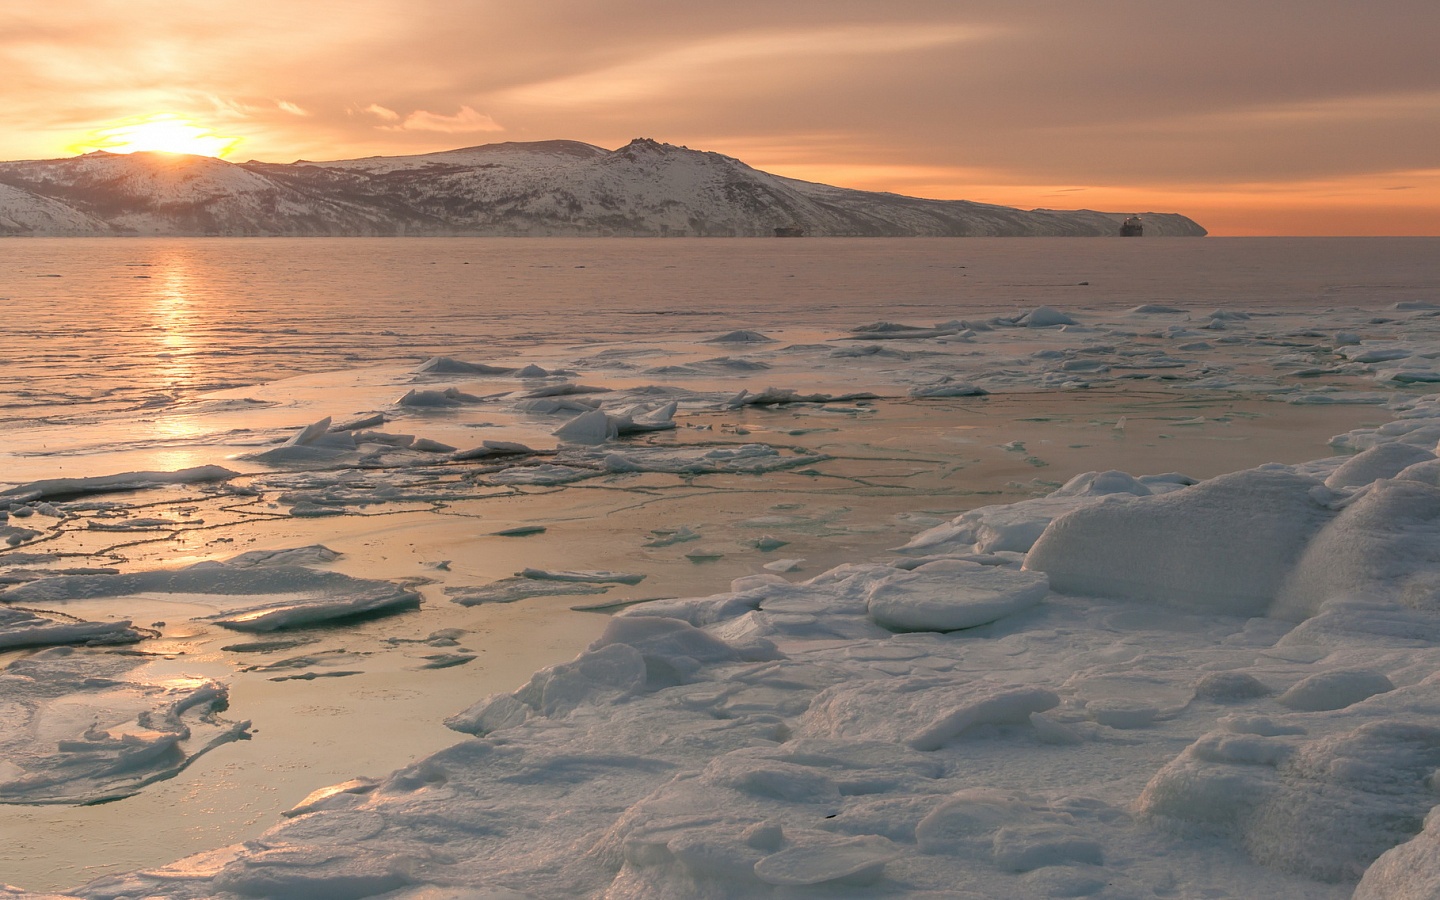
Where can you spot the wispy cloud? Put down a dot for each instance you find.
(466, 121)
(668, 70)
(382, 112)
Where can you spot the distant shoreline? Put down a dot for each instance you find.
(541, 189)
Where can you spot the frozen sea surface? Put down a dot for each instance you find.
(864, 600)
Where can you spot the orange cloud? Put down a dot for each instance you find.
(466, 121)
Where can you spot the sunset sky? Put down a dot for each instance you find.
(1268, 117)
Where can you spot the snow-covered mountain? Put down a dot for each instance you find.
(645, 188)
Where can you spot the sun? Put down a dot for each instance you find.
(164, 132)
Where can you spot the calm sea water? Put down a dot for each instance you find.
(110, 324)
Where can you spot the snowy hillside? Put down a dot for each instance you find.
(22, 212)
(544, 188)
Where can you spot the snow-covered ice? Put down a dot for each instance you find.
(1074, 600)
(86, 730)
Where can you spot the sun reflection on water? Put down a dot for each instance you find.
(176, 324)
(173, 320)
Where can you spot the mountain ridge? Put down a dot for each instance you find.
(543, 188)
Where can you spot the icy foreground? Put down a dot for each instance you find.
(1130, 688)
(1121, 685)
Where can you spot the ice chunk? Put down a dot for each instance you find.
(965, 824)
(542, 474)
(670, 537)
(549, 406)
(893, 331)
(564, 389)
(1016, 526)
(1024, 848)
(374, 420)
(1229, 687)
(509, 590)
(674, 650)
(448, 398)
(1410, 871)
(923, 717)
(1325, 807)
(300, 871)
(493, 448)
(1375, 548)
(660, 419)
(781, 396)
(310, 433)
(312, 610)
(1045, 317)
(741, 337)
(1426, 471)
(301, 596)
(947, 596)
(1168, 548)
(33, 628)
(593, 427)
(632, 656)
(947, 388)
(1381, 461)
(312, 555)
(1335, 689)
(1373, 353)
(336, 796)
(104, 484)
(581, 577)
(597, 676)
(856, 861)
(315, 442)
(444, 365)
(783, 565)
(746, 458)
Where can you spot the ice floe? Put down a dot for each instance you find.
(104, 484)
(81, 729)
(246, 596)
(33, 628)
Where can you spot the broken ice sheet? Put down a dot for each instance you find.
(670, 537)
(85, 727)
(126, 481)
(581, 577)
(33, 628)
(246, 596)
(509, 590)
(700, 459)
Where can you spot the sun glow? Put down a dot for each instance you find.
(166, 133)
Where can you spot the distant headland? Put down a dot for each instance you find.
(538, 189)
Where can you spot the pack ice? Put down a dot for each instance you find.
(1132, 687)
